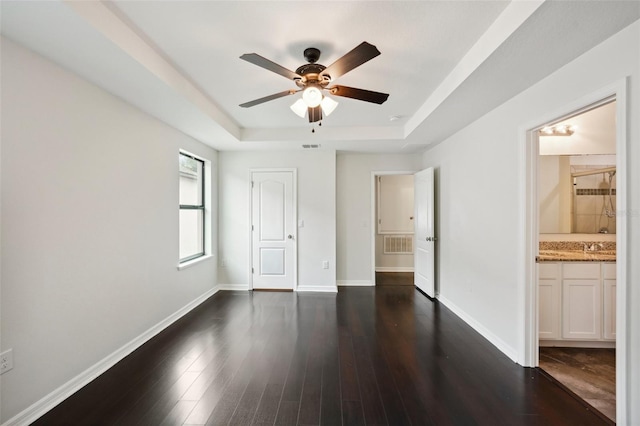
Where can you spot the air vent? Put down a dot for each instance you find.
(398, 244)
(314, 146)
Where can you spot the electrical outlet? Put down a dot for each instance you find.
(223, 263)
(325, 264)
(6, 361)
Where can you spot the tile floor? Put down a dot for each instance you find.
(589, 372)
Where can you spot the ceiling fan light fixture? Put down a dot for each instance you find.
(328, 105)
(312, 96)
(299, 107)
(313, 78)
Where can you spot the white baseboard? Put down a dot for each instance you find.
(356, 283)
(317, 288)
(301, 288)
(239, 287)
(608, 344)
(41, 407)
(394, 268)
(484, 332)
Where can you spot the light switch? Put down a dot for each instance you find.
(301, 224)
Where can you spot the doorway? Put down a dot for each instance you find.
(393, 228)
(577, 286)
(577, 246)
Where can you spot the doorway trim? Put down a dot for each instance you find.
(374, 226)
(528, 273)
(294, 172)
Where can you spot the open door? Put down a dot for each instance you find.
(424, 258)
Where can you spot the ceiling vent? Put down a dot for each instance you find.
(314, 146)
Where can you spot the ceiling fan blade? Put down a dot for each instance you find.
(315, 114)
(268, 98)
(359, 94)
(265, 63)
(358, 56)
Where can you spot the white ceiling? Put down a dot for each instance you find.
(444, 63)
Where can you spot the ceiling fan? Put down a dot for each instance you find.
(312, 79)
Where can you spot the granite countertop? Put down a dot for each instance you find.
(573, 251)
(576, 256)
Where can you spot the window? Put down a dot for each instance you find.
(192, 208)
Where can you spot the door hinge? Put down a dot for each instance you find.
(252, 227)
(252, 184)
(379, 221)
(252, 270)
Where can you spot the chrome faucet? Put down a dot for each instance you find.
(593, 247)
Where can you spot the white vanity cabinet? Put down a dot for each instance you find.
(577, 301)
(609, 296)
(581, 301)
(549, 297)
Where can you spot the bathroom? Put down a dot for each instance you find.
(577, 254)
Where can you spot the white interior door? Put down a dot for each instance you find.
(273, 236)
(424, 258)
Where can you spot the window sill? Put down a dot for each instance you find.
(195, 261)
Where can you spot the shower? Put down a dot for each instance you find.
(611, 211)
(603, 221)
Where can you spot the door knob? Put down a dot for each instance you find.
(290, 237)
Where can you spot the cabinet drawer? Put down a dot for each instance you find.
(547, 271)
(609, 271)
(581, 270)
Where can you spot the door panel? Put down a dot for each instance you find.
(272, 207)
(272, 261)
(424, 259)
(273, 230)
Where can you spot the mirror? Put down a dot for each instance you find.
(577, 194)
(577, 173)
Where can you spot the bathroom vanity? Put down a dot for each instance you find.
(577, 296)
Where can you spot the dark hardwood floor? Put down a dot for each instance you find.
(366, 356)
(394, 278)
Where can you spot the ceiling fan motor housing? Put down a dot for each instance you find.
(311, 54)
(311, 72)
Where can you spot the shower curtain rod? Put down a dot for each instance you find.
(593, 172)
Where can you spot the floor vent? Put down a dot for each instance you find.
(398, 244)
(311, 146)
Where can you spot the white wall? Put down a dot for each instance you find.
(89, 225)
(595, 134)
(316, 172)
(554, 194)
(479, 192)
(354, 208)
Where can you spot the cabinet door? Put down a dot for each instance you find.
(581, 309)
(549, 297)
(609, 309)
